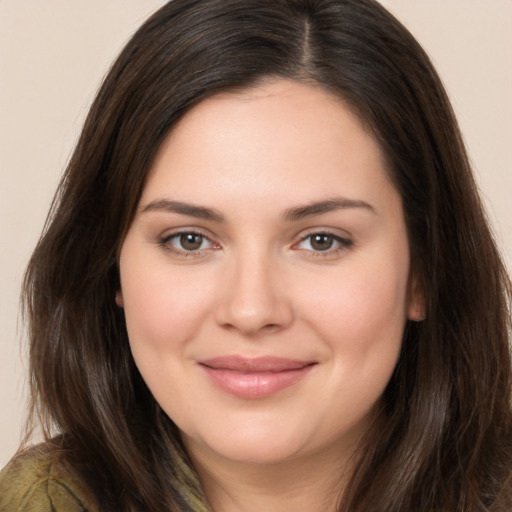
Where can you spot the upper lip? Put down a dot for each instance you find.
(254, 364)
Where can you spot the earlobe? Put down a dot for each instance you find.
(416, 308)
(119, 299)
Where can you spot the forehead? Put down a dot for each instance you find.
(271, 140)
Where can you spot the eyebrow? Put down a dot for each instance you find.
(321, 207)
(290, 215)
(182, 208)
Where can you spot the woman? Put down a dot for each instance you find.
(267, 282)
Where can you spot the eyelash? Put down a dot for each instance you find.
(343, 244)
(166, 243)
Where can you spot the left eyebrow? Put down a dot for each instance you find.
(321, 207)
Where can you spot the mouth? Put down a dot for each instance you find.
(253, 378)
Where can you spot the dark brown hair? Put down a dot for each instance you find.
(446, 440)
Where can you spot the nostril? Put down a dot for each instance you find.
(270, 328)
(252, 301)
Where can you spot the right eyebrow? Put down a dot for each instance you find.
(182, 208)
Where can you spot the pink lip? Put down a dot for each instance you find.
(251, 378)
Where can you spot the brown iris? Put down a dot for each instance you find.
(322, 242)
(191, 241)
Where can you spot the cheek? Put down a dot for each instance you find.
(361, 315)
(362, 299)
(361, 324)
(163, 309)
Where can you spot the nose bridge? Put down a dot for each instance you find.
(254, 299)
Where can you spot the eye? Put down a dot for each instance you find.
(323, 242)
(187, 242)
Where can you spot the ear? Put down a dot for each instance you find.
(119, 298)
(416, 306)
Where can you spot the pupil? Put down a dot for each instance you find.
(191, 241)
(321, 242)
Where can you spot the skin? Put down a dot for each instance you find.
(258, 285)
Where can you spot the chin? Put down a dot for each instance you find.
(260, 446)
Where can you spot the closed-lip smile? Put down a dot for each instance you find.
(254, 377)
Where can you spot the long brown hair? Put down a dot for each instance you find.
(445, 442)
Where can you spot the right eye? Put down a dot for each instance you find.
(187, 242)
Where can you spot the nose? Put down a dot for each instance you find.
(254, 300)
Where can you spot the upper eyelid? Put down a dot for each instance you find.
(170, 233)
(344, 241)
(329, 233)
(166, 242)
(335, 232)
(170, 236)
(338, 238)
(300, 237)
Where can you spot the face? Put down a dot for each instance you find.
(265, 277)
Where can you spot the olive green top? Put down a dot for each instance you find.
(38, 481)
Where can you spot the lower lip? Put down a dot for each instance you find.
(252, 385)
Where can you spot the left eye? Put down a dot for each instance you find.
(322, 242)
(188, 242)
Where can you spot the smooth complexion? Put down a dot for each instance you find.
(266, 285)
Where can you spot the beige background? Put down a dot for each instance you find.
(53, 54)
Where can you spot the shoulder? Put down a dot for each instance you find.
(38, 480)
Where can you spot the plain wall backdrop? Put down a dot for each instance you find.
(54, 53)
